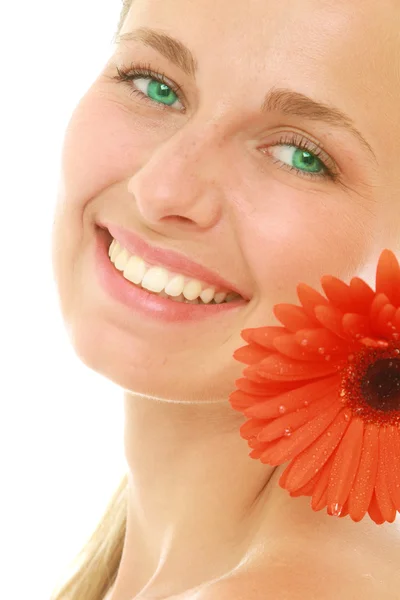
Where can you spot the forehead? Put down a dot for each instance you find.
(235, 25)
(330, 50)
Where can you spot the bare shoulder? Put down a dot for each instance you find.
(299, 575)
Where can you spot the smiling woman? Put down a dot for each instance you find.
(227, 151)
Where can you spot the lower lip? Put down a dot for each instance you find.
(139, 299)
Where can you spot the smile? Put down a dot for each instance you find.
(161, 281)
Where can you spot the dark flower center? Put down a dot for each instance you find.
(380, 385)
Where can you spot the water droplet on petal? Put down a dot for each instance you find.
(306, 402)
(382, 344)
(287, 432)
(346, 416)
(328, 357)
(329, 433)
(282, 409)
(350, 357)
(335, 510)
(304, 342)
(396, 336)
(321, 350)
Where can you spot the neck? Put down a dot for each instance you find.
(192, 496)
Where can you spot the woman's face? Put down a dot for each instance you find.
(233, 166)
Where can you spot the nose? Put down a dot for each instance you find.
(179, 180)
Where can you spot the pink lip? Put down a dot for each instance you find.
(142, 301)
(170, 260)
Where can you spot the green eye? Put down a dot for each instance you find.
(305, 160)
(298, 159)
(149, 84)
(160, 92)
(157, 91)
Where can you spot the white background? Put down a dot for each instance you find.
(61, 425)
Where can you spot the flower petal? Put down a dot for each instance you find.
(266, 388)
(396, 321)
(288, 447)
(338, 293)
(239, 400)
(362, 295)
(388, 276)
(354, 324)
(345, 510)
(250, 354)
(392, 455)
(257, 452)
(284, 474)
(313, 458)
(382, 493)
(247, 333)
(288, 346)
(363, 487)
(379, 301)
(251, 372)
(307, 489)
(314, 339)
(292, 317)
(309, 299)
(251, 428)
(276, 428)
(345, 465)
(249, 387)
(281, 368)
(331, 318)
(320, 494)
(265, 336)
(292, 400)
(375, 512)
(386, 315)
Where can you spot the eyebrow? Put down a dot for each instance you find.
(294, 103)
(169, 47)
(284, 100)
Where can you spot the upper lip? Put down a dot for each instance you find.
(173, 261)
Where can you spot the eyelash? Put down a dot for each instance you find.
(135, 71)
(140, 70)
(293, 139)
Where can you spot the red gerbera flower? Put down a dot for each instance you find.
(323, 392)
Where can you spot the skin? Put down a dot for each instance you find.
(167, 175)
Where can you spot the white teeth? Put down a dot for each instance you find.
(111, 248)
(220, 297)
(175, 286)
(135, 270)
(160, 281)
(207, 295)
(192, 290)
(122, 260)
(115, 251)
(155, 279)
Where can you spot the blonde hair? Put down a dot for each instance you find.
(95, 568)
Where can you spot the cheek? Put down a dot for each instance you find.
(302, 236)
(103, 146)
